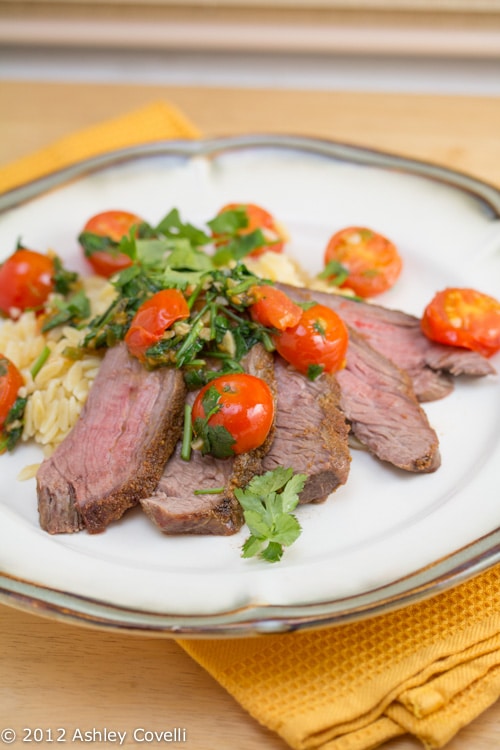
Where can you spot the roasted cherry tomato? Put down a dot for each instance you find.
(464, 317)
(11, 381)
(152, 320)
(113, 225)
(233, 414)
(273, 308)
(259, 218)
(317, 343)
(371, 261)
(26, 280)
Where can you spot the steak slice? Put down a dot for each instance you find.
(176, 509)
(311, 432)
(116, 451)
(385, 416)
(398, 336)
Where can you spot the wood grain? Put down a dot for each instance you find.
(57, 675)
(460, 132)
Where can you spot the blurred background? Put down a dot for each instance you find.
(425, 46)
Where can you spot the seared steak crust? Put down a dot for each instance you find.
(398, 336)
(311, 432)
(116, 452)
(385, 416)
(174, 507)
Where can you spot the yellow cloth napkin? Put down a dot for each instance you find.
(155, 122)
(428, 669)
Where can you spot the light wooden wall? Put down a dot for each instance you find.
(467, 28)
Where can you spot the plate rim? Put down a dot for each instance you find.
(257, 620)
(248, 620)
(485, 192)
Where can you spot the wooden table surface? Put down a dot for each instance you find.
(57, 675)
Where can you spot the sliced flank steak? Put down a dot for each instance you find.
(311, 432)
(116, 452)
(178, 507)
(385, 416)
(398, 336)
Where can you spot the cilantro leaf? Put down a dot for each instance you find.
(334, 273)
(211, 402)
(64, 280)
(215, 439)
(268, 501)
(92, 243)
(291, 491)
(172, 226)
(314, 371)
(72, 310)
(271, 481)
(229, 222)
(239, 246)
(12, 428)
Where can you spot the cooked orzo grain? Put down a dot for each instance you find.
(59, 390)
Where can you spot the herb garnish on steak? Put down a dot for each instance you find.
(178, 505)
(398, 336)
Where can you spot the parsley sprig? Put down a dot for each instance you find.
(268, 501)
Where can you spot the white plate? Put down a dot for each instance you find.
(381, 541)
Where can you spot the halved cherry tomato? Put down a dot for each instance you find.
(273, 308)
(113, 225)
(464, 317)
(152, 320)
(372, 262)
(317, 343)
(259, 218)
(26, 280)
(11, 381)
(242, 405)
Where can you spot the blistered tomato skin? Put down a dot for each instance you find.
(259, 218)
(372, 262)
(112, 224)
(115, 225)
(319, 340)
(245, 408)
(26, 281)
(153, 318)
(273, 308)
(11, 381)
(464, 317)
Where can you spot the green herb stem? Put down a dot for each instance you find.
(243, 286)
(195, 294)
(40, 361)
(187, 435)
(210, 491)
